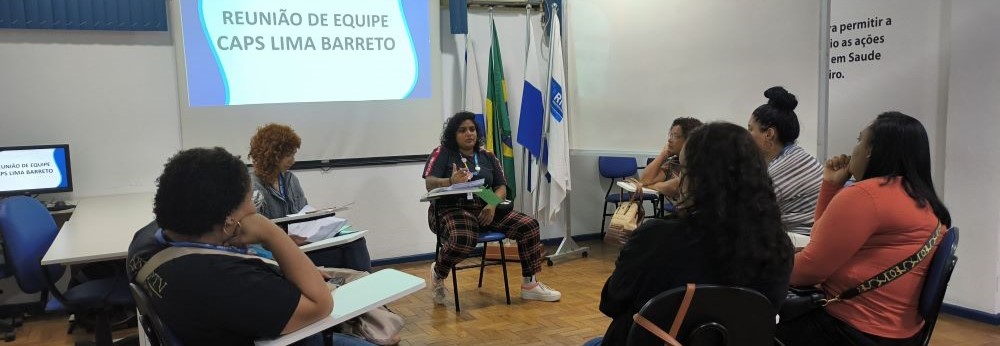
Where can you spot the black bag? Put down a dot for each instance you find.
(802, 300)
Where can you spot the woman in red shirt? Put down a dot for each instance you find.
(864, 229)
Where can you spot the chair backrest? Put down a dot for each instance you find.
(936, 283)
(28, 231)
(718, 315)
(152, 325)
(615, 167)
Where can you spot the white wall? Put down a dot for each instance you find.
(909, 77)
(972, 189)
(110, 95)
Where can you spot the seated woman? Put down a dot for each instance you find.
(203, 200)
(666, 179)
(457, 220)
(795, 173)
(866, 228)
(277, 193)
(728, 232)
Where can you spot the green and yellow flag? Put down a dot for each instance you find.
(498, 133)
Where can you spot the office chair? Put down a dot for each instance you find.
(718, 315)
(7, 329)
(28, 231)
(616, 168)
(936, 283)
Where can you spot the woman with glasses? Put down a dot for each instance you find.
(728, 232)
(796, 174)
(664, 176)
(277, 193)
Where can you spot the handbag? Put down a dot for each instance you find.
(802, 300)
(379, 326)
(627, 217)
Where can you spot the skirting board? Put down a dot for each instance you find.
(971, 314)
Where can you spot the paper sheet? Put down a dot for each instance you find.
(316, 230)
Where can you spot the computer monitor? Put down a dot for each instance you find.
(35, 169)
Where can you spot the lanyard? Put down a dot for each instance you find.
(475, 156)
(163, 240)
(282, 189)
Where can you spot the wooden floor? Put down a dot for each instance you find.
(486, 320)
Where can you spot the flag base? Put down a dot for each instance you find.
(568, 249)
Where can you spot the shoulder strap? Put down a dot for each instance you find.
(174, 252)
(668, 338)
(894, 272)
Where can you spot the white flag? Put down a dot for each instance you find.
(473, 90)
(558, 139)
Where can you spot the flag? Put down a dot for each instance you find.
(498, 134)
(473, 89)
(529, 126)
(557, 163)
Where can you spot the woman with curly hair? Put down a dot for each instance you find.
(457, 220)
(728, 232)
(277, 193)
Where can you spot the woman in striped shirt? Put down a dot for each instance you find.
(796, 174)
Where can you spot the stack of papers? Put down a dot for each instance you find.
(317, 230)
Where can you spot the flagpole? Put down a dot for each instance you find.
(524, 151)
(568, 248)
(465, 76)
(547, 113)
(493, 122)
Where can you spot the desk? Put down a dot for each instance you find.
(355, 298)
(100, 229)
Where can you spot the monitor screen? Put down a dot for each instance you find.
(35, 169)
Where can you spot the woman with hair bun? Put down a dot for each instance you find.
(796, 174)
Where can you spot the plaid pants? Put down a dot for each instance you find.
(459, 234)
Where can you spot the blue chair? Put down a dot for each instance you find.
(717, 315)
(156, 331)
(28, 231)
(484, 238)
(936, 283)
(486, 235)
(616, 168)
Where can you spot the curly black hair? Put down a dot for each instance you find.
(451, 130)
(779, 113)
(728, 197)
(198, 189)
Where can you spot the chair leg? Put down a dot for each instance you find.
(482, 264)
(503, 264)
(454, 287)
(102, 329)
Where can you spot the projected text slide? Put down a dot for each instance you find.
(240, 52)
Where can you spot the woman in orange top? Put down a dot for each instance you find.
(864, 229)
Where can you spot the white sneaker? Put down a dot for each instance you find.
(540, 292)
(438, 292)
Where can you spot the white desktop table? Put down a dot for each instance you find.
(100, 229)
(356, 298)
